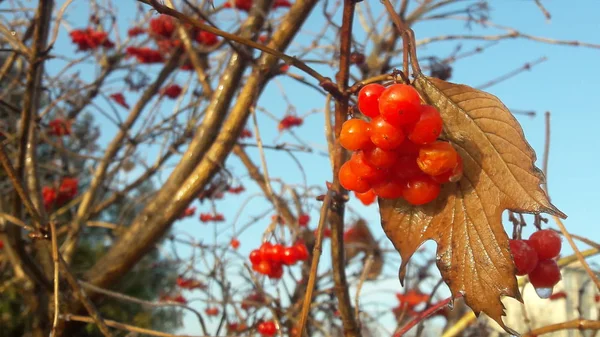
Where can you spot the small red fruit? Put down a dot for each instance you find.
(366, 198)
(267, 328)
(264, 267)
(212, 311)
(355, 135)
(524, 256)
(545, 275)
(399, 104)
(437, 158)
(351, 181)
(546, 243)
(290, 256)
(380, 158)
(429, 126)
(235, 243)
(420, 190)
(303, 220)
(368, 99)
(390, 189)
(275, 254)
(384, 135)
(255, 256)
(301, 251)
(453, 175)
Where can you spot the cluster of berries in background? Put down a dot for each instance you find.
(289, 121)
(535, 257)
(66, 191)
(90, 39)
(208, 217)
(267, 328)
(397, 153)
(59, 127)
(270, 258)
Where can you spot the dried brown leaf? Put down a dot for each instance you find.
(359, 239)
(466, 220)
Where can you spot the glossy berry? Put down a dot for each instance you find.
(351, 181)
(366, 198)
(276, 270)
(546, 243)
(301, 251)
(399, 104)
(368, 99)
(545, 275)
(355, 135)
(303, 220)
(420, 190)
(384, 135)
(363, 169)
(264, 267)
(290, 256)
(265, 251)
(380, 158)
(524, 256)
(275, 253)
(267, 328)
(451, 176)
(437, 158)
(391, 188)
(235, 243)
(429, 126)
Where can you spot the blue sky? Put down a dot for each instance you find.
(566, 85)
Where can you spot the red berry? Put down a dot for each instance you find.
(453, 175)
(290, 256)
(355, 135)
(351, 181)
(384, 135)
(380, 158)
(429, 126)
(303, 220)
(264, 267)
(265, 251)
(524, 256)
(366, 198)
(368, 99)
(275, 253)
(267, 328)
(437, 158)
(255, 256)
(301, 251)
(399, 104)
(406, 167)
(212, 311)
(235, 243)
(546, 243)
(420, 190)
(545, 275)
(276, 270)
(408, 148)
(390, 189)
(363, 169)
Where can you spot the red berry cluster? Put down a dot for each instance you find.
(535, 257)
(89, 39)
(120, 99)
(66, 191)
(289, 121)
(145, 54)
(270, 258)
(246, 134)
(135, 31)
(267, 328)
(207, 217)
(211, 311)
(189, 283)
(172, 91)
(236, 189)
(188, 212)
(397, 154)
(60, 127)
(178, 298)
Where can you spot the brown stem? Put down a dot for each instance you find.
(336, 215)
(316, 256)
(576, 324)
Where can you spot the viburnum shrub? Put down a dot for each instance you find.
(397, 153)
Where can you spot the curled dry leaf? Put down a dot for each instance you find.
(466, 220)
(358, 239)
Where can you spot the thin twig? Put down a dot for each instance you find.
(526, 66)
(367, 267)
(576, 324)
(316, 256)
(425, 314)
(56, 277)
(122, 326)
(544, 10)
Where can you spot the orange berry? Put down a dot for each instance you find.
(437, 158)
(355, 135)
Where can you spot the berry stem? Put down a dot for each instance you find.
(424, 315)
